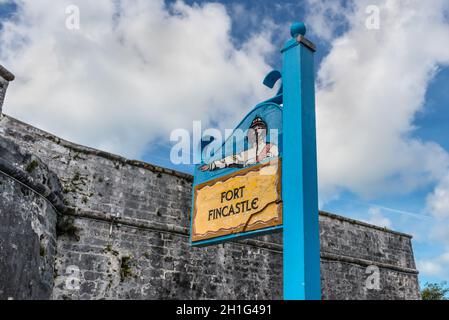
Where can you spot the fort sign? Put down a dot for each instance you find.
(255, 184)
(247, 200)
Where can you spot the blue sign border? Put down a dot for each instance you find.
(265, 110)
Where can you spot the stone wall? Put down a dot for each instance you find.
(3, 87)
(352, 250)
(27, 225)
(123, 233)
(5, 78)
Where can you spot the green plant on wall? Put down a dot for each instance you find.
(125, 268)
(66, 226)
(31, 166)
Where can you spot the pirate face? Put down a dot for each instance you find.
(257, 131)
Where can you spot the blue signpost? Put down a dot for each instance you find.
(226, 181)
(299, 171)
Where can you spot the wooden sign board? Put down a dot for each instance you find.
(237, 189)
(247, 200)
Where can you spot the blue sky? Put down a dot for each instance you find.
(405, 145)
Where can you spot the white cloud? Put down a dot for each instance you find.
(430, 267)
(438, 266)
(138, 69)
(134, 71)
(376, 218)
(325, 17)
(438, 206)
(438, 200)
(370, 87)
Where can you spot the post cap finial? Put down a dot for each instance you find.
(297, 28)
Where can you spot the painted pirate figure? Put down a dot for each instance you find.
(258, 150)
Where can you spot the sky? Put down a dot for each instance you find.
(136, 70)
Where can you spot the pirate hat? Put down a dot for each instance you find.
(258, 122)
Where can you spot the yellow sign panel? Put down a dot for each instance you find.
(247, 200)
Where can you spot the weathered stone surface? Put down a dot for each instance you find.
(3, 87)
(123, 234)
(27, 227)
(344, 280)
(5, 78)
(350, 250)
